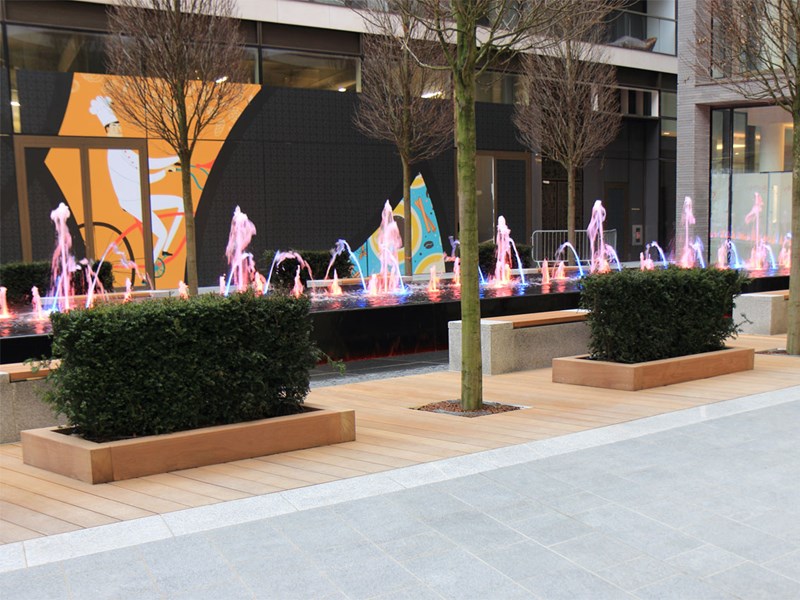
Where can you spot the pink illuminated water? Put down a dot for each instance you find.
(242, 270)
(785, 255)
(456, 271)
(389, 244)
(4, 314)
(183, 290)
(687, 259)
(336, 289)
(545, 273)
(279, 258)
(601, 254)
(128, 290)
(433, 282)
(505, 259)
(63, 263)
(36, 304)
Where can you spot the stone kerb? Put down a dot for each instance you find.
(763, 313)
(505, 349)
(21, 407)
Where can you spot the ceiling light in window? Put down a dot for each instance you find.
(222, 79)
(342, 89)
(14, 103)
(435, 94)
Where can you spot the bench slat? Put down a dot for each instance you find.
(22, 372)
(544, 318)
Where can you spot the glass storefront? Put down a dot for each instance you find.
(751, 180)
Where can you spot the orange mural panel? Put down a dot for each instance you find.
(117, 211)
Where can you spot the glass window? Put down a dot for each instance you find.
(40, 49)
(669, 104)
(251, 65)
(751, 183)
(496, 87)
(286, 68)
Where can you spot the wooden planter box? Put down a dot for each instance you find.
(578, 370)
(125, 459)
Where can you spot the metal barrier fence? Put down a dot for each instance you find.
(545, 243)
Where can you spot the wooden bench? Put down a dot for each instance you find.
(526, 341)
(763, 313)
(21, 406)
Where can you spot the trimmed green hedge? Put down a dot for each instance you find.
(159, 366)
(318, 260)
(19, 278)
(637, 316)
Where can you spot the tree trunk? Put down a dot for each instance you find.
(793, 310)
(471, 365)
(571, 174)
(188, 219)
(408, 247)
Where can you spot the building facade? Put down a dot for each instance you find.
(734, 159)
(291, 157)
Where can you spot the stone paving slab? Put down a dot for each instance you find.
(699, 503)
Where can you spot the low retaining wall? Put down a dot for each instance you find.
(505, 349)
(21, 407)
(765, 312)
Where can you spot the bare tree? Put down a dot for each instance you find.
(570, 103)
(474, 35)
(752, 47)
(180, 59)
(401, 101)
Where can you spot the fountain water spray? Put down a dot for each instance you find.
(341, 246)
(505, 245)
(183, 290)
(242, 267)
(36, 304)
(545, 273)
(297, 289)
(128, 290)
(336, 289)
(687, 259)
(601, 253)
(282, 256)
(63, 263)
(433, 284)
(645, 262)
(457, 271)
(560, 251)
(389, 243)
(4, 314)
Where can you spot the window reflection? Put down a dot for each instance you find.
(284, 68)
(496, 87)
(40, 49)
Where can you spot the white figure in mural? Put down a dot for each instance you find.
(123, 167)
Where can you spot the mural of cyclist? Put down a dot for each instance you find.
(123, 168)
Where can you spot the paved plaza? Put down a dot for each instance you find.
(702, 503)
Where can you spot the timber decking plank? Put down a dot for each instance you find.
(389, 435)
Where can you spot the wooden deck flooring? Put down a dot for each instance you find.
(36, 503)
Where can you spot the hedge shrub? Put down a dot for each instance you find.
(159, 366)
(20, 277)
(638, 316)
(318, 260)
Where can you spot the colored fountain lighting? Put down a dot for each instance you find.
(36, 304)
(297, 289)
(560, 252)
(4, 314)
(389, 244)
(433, 284)
(758, 254)
(645, 262)
(545, 273)
(722, 256)
(336, 289)
(457, 272)
(222, 285)
(372, 287)
(279, 258)
(561, 271)
(601, 254)
(63, 263)
(505, 246)
(128, 290)
(341, 246)
(687, 259)
(240, 262)
(183, 290)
